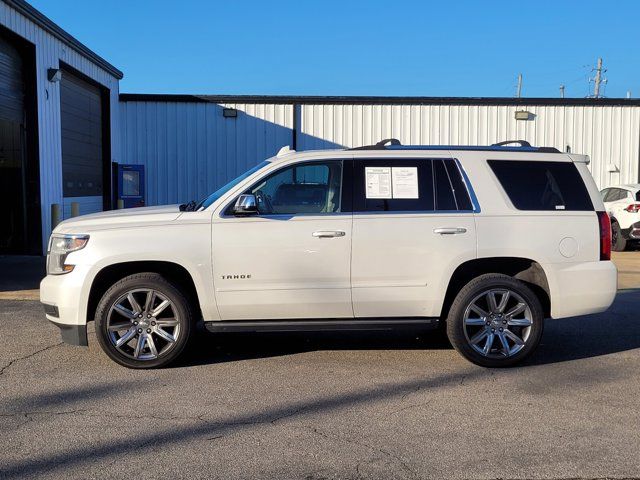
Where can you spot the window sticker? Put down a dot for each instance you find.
(378, 182)
(405, 182)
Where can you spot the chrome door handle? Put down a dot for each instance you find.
(328, 233)
(450, 231)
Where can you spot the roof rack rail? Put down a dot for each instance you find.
(522, 143)
(381, 145)
(506, 146)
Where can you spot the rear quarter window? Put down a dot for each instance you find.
(539, 185)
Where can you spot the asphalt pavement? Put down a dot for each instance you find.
(323, 406)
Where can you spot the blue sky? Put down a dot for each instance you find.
(443, 48)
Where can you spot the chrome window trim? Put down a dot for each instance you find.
(472, 194)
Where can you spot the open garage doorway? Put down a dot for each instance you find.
(19, 171)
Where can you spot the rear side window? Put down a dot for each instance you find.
(390, 185)
(374, 180)
(450, 190)
(538, 185)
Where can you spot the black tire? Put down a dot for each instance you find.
(618, 242)
(461, 332)
(139, 284)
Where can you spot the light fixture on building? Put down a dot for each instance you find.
(229, 112)
(54, 74)
(523, 115)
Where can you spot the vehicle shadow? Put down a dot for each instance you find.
(210, 348)
(616, 330)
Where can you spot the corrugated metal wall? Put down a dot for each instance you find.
(190, 149)
(610, 135)
(49, 53)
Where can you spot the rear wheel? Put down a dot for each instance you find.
(618, 242)
(143, 321)
(495, 321)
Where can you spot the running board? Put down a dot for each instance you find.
(320, 325)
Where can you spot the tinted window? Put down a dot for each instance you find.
(445, 198)
(615, 194)
(624, 194)
(450, 190)
(460, 191)
(538, 185)
(303, 188)
(440, 186)
(423, 202)
(604, 193)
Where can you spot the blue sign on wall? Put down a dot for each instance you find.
(130, 181)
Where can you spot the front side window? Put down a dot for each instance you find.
(542, 185)
(206, 202)
(306, 188)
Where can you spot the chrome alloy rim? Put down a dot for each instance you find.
(497, 323)
(143, 324)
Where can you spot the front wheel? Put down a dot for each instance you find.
(495, 321)
(143, 321)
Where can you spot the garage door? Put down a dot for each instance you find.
(12, 225)
(82, 153)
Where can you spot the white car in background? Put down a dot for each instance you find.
(623, 206)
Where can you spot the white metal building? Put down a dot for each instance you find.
(59, 127)
(190, 145)
(63, 125)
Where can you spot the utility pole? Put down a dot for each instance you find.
(561, 91)
(599, 80)
(519, 90)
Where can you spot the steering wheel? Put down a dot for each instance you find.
(264, 199)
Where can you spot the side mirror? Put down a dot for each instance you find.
(246, 205)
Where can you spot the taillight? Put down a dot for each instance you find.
(605, 235)
(633, 208)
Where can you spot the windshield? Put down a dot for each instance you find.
(225, 188)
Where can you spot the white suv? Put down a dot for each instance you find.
(622, 203)
(491, 240)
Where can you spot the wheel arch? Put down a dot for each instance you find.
(178, 275)
(524, 269)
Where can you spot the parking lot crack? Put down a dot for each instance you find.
(12, 362)
(360, 443)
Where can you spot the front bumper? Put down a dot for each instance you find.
(65, 302)
(581, 288)
(73, 334)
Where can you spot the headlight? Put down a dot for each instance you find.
(59, 247)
